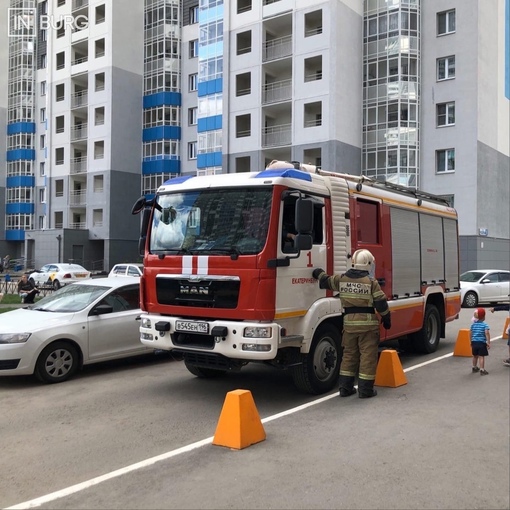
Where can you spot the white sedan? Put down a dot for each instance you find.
(83, 323)
(58, 275)
(127, 269)
(484, 286)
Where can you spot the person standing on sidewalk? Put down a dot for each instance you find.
(500, 308)
(480, 341)
(361, 297)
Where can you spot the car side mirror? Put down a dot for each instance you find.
(102, 309)
(485, 280)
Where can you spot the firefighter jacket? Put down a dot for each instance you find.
(361, 297)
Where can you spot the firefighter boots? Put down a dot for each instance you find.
(366, 388)
(347, 386)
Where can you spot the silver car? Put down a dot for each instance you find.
(484, 286)
(82, 323)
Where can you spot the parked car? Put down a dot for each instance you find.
(82, 323)
(58, 275)
(127, 269)
(484, 286)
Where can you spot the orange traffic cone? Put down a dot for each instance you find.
(505, 329)
(239, 425)
(389, 370)
(463, 344)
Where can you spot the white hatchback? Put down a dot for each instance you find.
(83, 323)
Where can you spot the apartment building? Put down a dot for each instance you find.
(416, 93)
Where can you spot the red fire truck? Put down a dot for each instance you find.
(228, 263)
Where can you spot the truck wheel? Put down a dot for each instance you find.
(319, 369)
(204, 373)
(470, 300)
(57, 363)
(427, 339)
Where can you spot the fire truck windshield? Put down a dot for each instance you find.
(212, 221)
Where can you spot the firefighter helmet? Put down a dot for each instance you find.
(363, 260)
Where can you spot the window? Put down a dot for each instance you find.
(446, 68)
(97, 218)
(43, 88)
(59, 190)
(192, 150)
(42, 195)
(193, 82)
(313, 23)
(99, 150)
(192, 116)
(99, 78)
(99, 116)
(313, 114)
(59, 156)
(446, 114)
(243, 164)
(99, 48)
(445, 160)
(193, 15)
(42, 115)
(243, 126)
(42, 141)
(98, 184)
(44, 61)
(60, 3)
(100, 14)
(61, 31)
(313, 68)
(244, 42)
(243, 84)
(60, 92)
(61, 60)
(243, 6)
(193, 48)
(367, 214)
(446, 22)
(42, 168)
(59, 124)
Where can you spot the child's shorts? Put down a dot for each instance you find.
(479, 349)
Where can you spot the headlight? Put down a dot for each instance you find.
(14, 338)
(146, 323)
(257, 332)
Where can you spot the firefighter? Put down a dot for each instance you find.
(361, 297)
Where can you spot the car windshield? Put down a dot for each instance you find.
(71, 298)
(211, 221)
(471, 276)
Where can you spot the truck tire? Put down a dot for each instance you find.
(319, 369)
(204, 373)
(57, 363)
(427, 339)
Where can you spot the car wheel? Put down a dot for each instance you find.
(427, 339)
(56, 285)
(470, 300)
(319, 369)
(204, 373)
(57, 363)
(31, 280)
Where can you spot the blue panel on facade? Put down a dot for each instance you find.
(161, 132)
(210, 123)
(162, 99)
(14, 235)
(17, 154)
(210, 87)
(23, 208)
(291, 173)
(20, 127)
(20, 181)
(159, 166)
(208, 160)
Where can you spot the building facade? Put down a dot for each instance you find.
(412, 92)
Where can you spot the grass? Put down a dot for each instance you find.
(10, 299)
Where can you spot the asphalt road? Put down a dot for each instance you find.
(439, 441)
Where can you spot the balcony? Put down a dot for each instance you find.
(80, 99)
(79, 165)
(79, 4)
(277, 136)
(277, 92)
(79, 132)
(277, 48)
(77, 197)
(78, 225)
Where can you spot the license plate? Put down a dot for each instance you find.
(80, 275)
(192, 327)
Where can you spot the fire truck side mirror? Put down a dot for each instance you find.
(304, 216)
(303, 242)
(139, 205)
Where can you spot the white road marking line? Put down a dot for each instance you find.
(73, 489)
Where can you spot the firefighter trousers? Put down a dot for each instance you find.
(360, 351)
